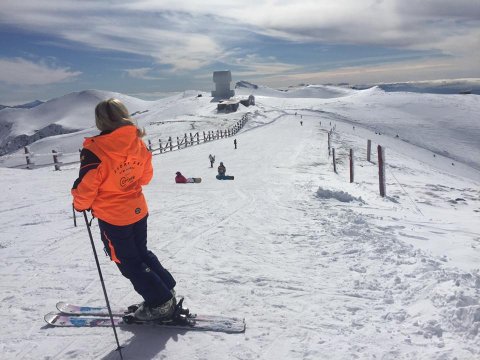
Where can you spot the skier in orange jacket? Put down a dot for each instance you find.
(114, 166)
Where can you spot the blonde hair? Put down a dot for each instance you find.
(111, 114)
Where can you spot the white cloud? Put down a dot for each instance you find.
(396, 23)
(142, 73)
(181, 41)
(252, 64)
(20, 71)
(189, 34)
(390, 72)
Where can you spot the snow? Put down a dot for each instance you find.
(338, 195)
(320, 268)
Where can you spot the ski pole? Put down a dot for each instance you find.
(119, 348)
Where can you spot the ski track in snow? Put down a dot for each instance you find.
(315, 278)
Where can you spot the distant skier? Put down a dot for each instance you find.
(235, 143)
(114, 167)
(212, 160)
(301, 123)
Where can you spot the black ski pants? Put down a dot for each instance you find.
(127, 247)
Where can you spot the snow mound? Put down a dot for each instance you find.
(337, 195)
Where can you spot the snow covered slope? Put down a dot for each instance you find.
(320, 268)
(309, 91)
(445, 125)
(67, 114)
(66, 121)
(446, 86)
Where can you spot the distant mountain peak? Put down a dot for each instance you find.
(245, 84)
(29, 105)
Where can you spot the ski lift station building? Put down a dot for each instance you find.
(223, 93)
(222, 81)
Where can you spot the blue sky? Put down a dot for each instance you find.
(145, 48)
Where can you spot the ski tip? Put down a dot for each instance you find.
(244, 329)
(51, 318)
(61, 305)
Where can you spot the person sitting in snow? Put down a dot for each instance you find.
(221, 170)
(222, 173)
(180, 179)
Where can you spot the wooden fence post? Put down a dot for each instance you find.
(178, 143)
(334, 162)
(369, 149)
(198, 137)
(351, 165)
(149, 145)
(170, 141)
(55, 160)
(381, 170)
(329, 143)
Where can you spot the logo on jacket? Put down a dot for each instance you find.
(126, 180)
(138, 210)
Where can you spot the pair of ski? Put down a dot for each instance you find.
(89, 316)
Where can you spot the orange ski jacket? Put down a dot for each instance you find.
(113, 168)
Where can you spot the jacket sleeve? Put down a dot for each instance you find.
(148, 170)
(85, 188)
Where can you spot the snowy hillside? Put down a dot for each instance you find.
(310, 91)
(320, 268)
(28, 105)
(444, 125)
(447, 86)
(20, 127)
(67, 120)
